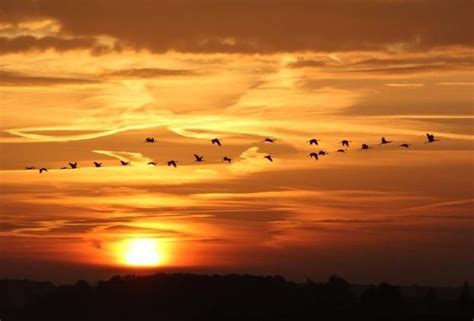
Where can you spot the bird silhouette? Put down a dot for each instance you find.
(151, 163)
(269, 140)
(172, 163)
(73, 165)
(269, 157)
(64, 167)
(431, 138)
(97, 164)
(345, 142)
(364, 146)
(322, 153)
(124, 163)
(43, 169)
(198, 158)
(405, 145)
(216, 141)
(149, 140)
(340, 150)
(383, 141)
(30, 167)
(313, 141)
(313, 155)
(227, 159)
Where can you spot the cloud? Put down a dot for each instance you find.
(31, 43)
(302, 63)
(403, 69)
(456, 83)
(20, 79)
(125, 156)
(216, 26)
(404, 85)
(129, 229)
(394, 63)
(251, 160)
(149, 73)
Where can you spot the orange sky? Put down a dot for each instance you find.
(89, 80)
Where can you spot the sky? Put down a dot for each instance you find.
(84, 81)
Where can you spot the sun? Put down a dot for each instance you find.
(143, 253)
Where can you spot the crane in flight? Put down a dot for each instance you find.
(216, 141)
(313, 141)
(198, 158)
(227, 159)
(313, 155)
(431, 138)
(173, 163)
(345, 143)
(150, 140)
(124, 163)
(384, 141)
(269, 157)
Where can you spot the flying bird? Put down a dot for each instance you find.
(322, 153)
(383, 141)
(124, 163)
(345, 142)
(227, 159)
(431, 138)
(313, 141)
(269, 157)
(365, 146)
(30, 167)
(73, 165)
(313, 155)
(172, 163)
(269, 140)
(64, 167)
(198, 158)
(216, 141)
(341, 150)
(149, 140)
(151, 163)
(405, 145)
(42, 169)
(97, 164)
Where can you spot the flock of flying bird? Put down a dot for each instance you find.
(216, 141)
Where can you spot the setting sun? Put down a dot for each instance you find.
(142, 252)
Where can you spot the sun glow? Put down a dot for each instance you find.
(143, 252)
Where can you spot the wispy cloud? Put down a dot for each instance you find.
(134, 158)
(405, 85)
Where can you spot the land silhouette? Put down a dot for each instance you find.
(229, 297)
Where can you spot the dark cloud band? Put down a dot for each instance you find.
(261, 26)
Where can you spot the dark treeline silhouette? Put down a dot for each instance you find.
(227, 298)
